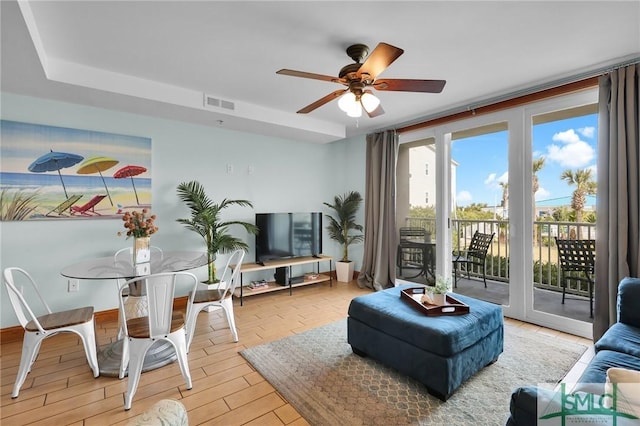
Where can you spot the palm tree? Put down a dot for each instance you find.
(345, 206)
(505, 195)
(585, 185)
(538, 163)
(205, 220)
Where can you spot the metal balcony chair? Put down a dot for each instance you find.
(577, 262)
(37, 328)
(160, 324)
(475, 254)
(218, 298)
(411, 250)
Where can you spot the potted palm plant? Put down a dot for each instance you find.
(341, 229)
(205, 220)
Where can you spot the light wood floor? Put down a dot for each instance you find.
(61, 390)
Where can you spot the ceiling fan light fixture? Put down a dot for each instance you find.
(355, 111)
(349, 103)
(369, 101)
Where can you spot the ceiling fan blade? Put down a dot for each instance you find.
(382, 56)
(294, 73)
(322, 101)
(401, 85)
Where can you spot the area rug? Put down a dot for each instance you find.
(319, 375)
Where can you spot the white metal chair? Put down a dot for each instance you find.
(221, 297)
(120, 255)
(161, 324)
(37, 328)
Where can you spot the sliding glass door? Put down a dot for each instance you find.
(510, 174)
(416, 208)
(480, 207)
(563, 152)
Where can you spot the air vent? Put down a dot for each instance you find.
(216, 103)
(227, 105)
(209, 101)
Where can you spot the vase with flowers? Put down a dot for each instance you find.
(140, 226)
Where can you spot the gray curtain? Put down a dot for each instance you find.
(378, 269)
(618, 207)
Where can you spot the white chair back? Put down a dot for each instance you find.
(160, 292)
(231, 276)
(16, 297)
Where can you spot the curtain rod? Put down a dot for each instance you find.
(573, 81)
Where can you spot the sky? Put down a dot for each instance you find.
(569, 144)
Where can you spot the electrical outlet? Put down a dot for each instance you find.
(229, 169)
(74, 286)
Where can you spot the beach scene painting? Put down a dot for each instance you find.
(54, 173)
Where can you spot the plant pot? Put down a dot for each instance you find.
(344, 271)
(439, 299)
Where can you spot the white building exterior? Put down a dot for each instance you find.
(422, 176)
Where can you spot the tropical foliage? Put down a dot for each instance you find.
(17, 206)
(341, 226)
(206, 221)
(442, 285)
(474, 211)
(585, 185)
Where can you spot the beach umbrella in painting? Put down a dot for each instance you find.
(130, 172)
(55, 161)
(98, 165)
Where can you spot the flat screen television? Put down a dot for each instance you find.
(287, 235)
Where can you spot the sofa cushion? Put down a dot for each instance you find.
(442, 335)
(595, 375)
(620, 337)
(524, 405)
(628, 297)
(627, 390)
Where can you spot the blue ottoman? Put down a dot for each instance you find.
(441, 352)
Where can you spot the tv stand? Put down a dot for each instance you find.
(244, 291)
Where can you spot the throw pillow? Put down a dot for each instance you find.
(627, 390)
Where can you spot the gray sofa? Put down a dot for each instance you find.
(619, 347)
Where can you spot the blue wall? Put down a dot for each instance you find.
(288, 176)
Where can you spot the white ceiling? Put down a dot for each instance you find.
(160, 57)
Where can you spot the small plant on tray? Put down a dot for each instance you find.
(442, 286)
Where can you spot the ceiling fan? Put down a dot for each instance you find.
(360, 76)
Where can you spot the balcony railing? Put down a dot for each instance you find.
(546, 270)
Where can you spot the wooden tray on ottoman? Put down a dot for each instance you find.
(453, 306)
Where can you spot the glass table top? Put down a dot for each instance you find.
(123, 268)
